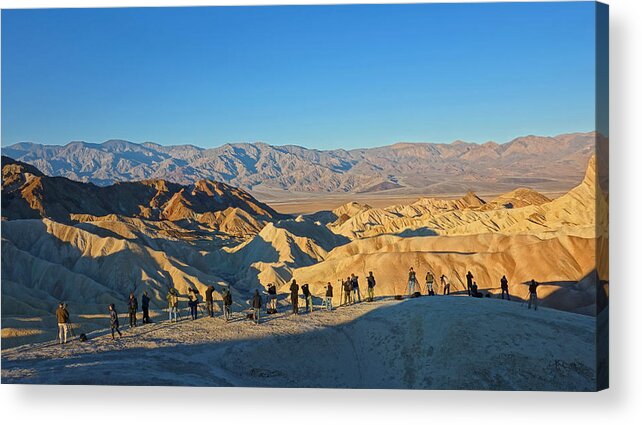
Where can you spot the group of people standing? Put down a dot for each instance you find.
(415, 290)
(350, 291)
(350, 294)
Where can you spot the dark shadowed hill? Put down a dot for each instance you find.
(27, 193)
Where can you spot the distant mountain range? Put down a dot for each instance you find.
(545, 163)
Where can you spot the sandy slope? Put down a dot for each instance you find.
(431, 342)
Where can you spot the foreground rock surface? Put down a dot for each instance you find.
(445, 342)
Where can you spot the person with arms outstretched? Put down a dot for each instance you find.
(532, 291)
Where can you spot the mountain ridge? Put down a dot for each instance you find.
(553, 163)
(27, 193)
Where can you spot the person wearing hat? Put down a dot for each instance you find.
(62, 315)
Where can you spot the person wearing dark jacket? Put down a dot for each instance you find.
(294, 296)
(133, 309)
(504, 284)
(347, 291)
(62, 316)
(144, 303)
(257, 302)
(113, 321)
(192, 294)
(356, 293)
(209, 300)
(272, 297)
(328, 297)
(371, 284)
(532, 290)
(469, 282)
(227, 304)
(308, 297)
(474, 292)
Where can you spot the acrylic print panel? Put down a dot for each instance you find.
(366, 196)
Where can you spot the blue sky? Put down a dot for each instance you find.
(317, 76)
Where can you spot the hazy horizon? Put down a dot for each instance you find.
(253, 142)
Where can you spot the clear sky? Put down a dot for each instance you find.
(317, 76)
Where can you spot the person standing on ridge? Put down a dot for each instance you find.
(272, 295)
(328, 297)
(532, 290)
(144, 303)
(133, 309)
(172, 304)
(371, 285)
(192, 294)
(355, 288)
(430, 281)
(62, 316)
(445, 284)
(504, 284)
(412, 281)
(227, 304)
(469, 282)
(209, 300)
(294, 297)
(257, 302)
(308, 297)
(113, 321)
(347, 290)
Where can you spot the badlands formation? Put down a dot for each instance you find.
(90, 245)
